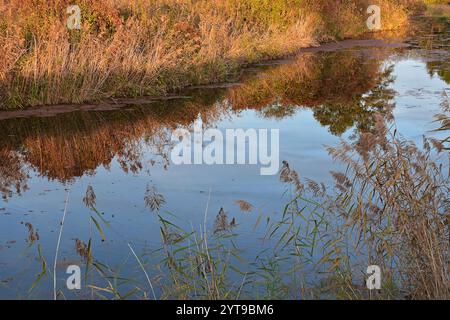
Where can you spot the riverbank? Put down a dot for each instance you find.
(153, 48)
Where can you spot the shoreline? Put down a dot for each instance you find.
(123, 102)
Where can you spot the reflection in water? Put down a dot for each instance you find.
(344, 89)
(432, 35)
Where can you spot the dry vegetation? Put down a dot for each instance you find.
(143, 47)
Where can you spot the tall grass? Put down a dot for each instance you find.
(143, 47)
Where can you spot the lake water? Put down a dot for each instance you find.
(314, 99)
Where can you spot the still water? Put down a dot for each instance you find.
(314, 99)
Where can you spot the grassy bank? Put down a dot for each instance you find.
(143, 47)
(388, 208)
